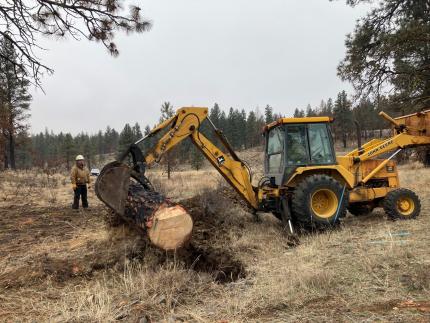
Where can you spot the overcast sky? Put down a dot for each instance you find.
(239, 53)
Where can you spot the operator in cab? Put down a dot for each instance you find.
(80, 177)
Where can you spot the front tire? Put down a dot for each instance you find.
(402, 204)
(319, 201)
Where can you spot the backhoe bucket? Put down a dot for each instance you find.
(112, 186)
(131, 196)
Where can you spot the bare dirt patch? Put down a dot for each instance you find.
(55, 243)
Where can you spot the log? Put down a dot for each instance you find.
(170, 227)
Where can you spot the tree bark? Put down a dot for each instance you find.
(344, 139)
(68, 162)
(2, 153)
(6, 161)
(12, 151)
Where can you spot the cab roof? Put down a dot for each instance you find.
(297, 120)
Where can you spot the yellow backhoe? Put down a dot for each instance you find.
(304, 184)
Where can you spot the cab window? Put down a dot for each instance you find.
(275, 150)
(320, 144)
(297, 148)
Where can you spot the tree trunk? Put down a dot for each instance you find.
(68, 162)
(344, 139)
(2, 154)
(12, 151)
(6, 161)
(169, 169)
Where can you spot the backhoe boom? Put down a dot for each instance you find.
(186, 124)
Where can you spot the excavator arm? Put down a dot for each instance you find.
(186, 123)
(408, 131)
(404, 136)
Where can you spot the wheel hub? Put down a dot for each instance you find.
(324, 203)
(405, 205)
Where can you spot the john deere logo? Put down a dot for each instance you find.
(221, 160)
(384, 145)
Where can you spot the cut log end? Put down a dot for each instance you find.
(171, 227)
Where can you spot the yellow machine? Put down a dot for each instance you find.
(304, 184)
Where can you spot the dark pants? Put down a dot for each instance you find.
(80, 191)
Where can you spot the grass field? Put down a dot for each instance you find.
(59, 265)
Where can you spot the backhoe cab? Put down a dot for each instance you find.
(295, 142)
(305, 184)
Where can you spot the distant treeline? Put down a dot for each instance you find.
(47, 149)
(346, 115)
(243, 130)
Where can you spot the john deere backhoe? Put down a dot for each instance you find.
(304, 184)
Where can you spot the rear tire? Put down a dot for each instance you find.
(402, 204)
(318, 202)
(360, 209)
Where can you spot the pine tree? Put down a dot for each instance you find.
(389, 52)
(309, 111)
(365, 114)
(241, 124)
(196, 158)
(343, 117)
(298, 113)
(322, 109)
(3, 125)
(137, 133)
(126, 138)
(14, 98)
(215, 115)
(329, 107)
(230, 131)
(268, 114)
(68, 149)
(252, 130)
(88, 150)
(166, 113)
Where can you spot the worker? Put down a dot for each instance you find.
(80, 177)
(296, 149)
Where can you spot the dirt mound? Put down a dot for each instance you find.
(208, 250)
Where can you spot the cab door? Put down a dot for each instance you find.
(275, 154)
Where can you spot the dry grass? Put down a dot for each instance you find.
(36, 188)
(363, 271)
(185, 184)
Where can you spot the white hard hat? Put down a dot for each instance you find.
(80, 157)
